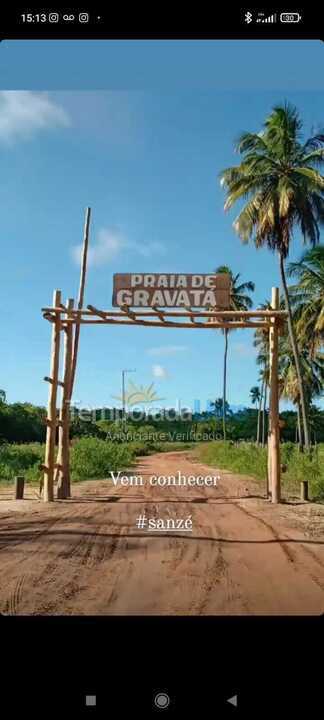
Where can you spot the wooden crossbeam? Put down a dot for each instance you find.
(191, 315)
(50, 380)
(128, 311)
(91, 310)
(95, 310)
(57, 466)
(222, 319)
(49, 316)
(169, 323)
(159, 313)
(158, 317)
(51, 423)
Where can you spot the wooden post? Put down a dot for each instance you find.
(81, 293)
(268, 493)
(274, 437)
(51, 407)
(63, 456)
(304, 490)
(19, 487)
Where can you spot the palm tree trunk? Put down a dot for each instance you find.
(259, 414)
(299, 426)
(293, 343)
(264, 414)
(224, 383)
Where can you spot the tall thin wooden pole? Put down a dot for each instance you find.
(259, 413)
(274, 433)
(81, 292)
(63, 485)
(51, 407)
(264, 413)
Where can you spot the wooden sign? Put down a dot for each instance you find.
(161, 290)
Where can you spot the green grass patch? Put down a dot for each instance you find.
(242, 458)
(305, 466)
(248, 459)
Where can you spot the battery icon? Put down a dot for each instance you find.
(290, 17)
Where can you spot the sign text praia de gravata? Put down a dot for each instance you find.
(171, 290)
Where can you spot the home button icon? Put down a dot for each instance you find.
(162, 700)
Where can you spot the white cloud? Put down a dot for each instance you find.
(110, 243)
(23, 113)
(159, 372)
(167, 350)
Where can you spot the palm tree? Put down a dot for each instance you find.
(255, 394)
(261, 342)
(308, 296)
(218, 407)
(256, 397)
(239, 300)
(289, 389)
(313, 374)
(315, 419)
(284, 190)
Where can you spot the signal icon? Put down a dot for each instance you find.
(248, 17)
(270, 19)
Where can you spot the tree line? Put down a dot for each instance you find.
(24, 422)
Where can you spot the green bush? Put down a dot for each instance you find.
(95, 458)
(250, 459)
(307, 466)
(90, 458)
(20, 459)
(287, 451)
(243, 457)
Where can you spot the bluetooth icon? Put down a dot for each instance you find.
(248, 17)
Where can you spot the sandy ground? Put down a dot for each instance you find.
(86, 555)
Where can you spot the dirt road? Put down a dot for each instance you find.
(86, 555)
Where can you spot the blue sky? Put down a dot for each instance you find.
(146, 161)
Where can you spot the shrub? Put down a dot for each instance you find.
(95, 458)
(250, 459)
(18, 459)
(90, 458)
(243, 457)
(307, 466)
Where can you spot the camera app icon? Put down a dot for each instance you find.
(84, 17)
(53, 17)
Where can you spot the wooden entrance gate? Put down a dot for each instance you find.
(66, 321)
